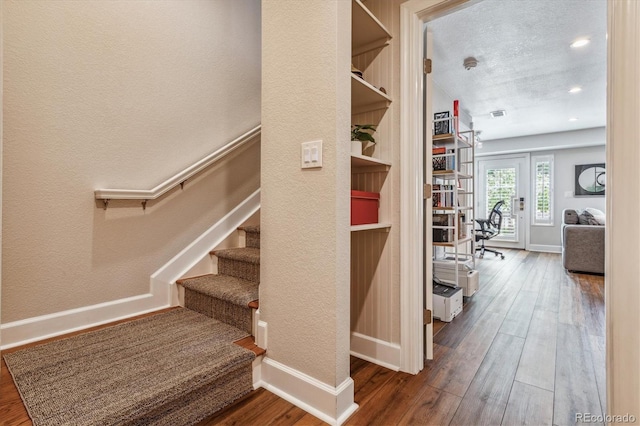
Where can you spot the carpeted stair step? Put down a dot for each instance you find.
(173, 368)
(252, 235)
(222, 297)
(242, 263)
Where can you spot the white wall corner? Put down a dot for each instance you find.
(333, 405)
(377, 351)
(163, 290)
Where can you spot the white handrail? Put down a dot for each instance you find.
(178, 179)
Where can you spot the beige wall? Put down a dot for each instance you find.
(304, 290)
(118, 94)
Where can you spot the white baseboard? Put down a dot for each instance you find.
(163, 292)
(545, 248)
(30, 330)
(376, 351)
(329, 404)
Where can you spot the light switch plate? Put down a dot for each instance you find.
(311, 155)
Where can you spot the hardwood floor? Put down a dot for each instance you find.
(528, 349)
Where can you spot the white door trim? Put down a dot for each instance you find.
(622, 235)
(413, 15)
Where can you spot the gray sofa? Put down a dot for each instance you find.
(582, 244)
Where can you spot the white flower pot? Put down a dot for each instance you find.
(356, 147)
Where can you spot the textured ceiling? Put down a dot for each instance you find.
(526, 65)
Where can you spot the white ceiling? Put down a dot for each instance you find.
(526, 65)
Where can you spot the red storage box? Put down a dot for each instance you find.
(364, 207)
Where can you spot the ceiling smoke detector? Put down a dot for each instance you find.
(498, 113)
(470, 62)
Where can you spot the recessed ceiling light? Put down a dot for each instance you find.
(498, 113)
(573, 119)
(581, 42)
(575, 89)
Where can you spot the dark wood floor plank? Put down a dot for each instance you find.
(391, 401)
(368, 381)
(457, 372)
(513, 284)
(499, 280)
(538, 361)
(434, 407)
(487, 397)
(575, 388)
(461, 325)
(528, 405)
(516, 323)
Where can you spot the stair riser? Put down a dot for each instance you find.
(234, 315)
(252, 239)
(237, 268)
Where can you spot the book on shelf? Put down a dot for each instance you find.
(443, 195)
(439, 162)
(448, 235)
(442, 235)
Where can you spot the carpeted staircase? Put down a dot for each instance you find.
(230, 295)
(173, 368)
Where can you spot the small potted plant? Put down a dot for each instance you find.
(361, 134)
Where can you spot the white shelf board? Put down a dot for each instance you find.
(370, 226)
(367, 32)
(366, 161)
(452, 243)
(450, 174)
(365, 97)
(448, 138)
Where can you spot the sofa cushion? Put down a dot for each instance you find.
(570, 217)
(586, 218)
(598, 215)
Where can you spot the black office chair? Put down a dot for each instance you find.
(489, 228)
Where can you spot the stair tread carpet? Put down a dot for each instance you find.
(254, 229)
(177, 367)
(252, 235)
(231, 289)
(244, 254)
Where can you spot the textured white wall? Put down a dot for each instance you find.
(117, 94)
(304, 290)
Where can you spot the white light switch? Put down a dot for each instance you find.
(568, 194)
(311, 154)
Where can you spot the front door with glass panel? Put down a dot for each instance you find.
(503, 178)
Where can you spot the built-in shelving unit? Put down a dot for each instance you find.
(453, 196)
(371, 244)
